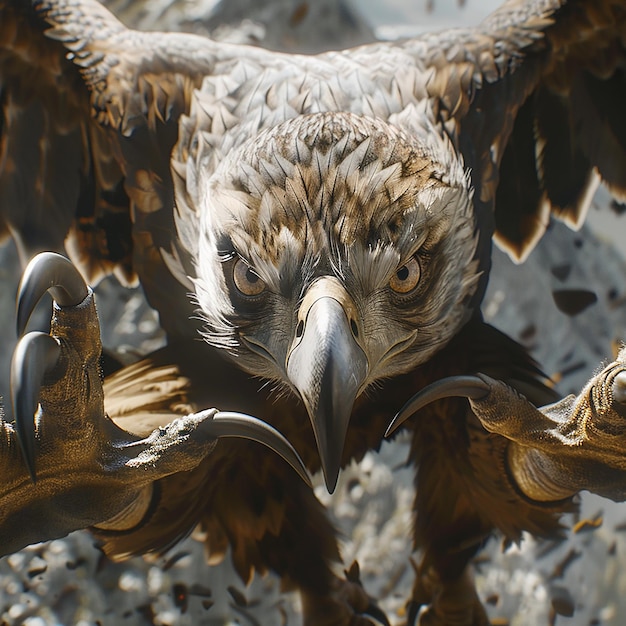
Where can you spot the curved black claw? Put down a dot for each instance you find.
(48, 271)
(413, 611)
(35, 354)
(373, 610)
(618, 393)
(473, 387)
(231, 424)
(353, 575)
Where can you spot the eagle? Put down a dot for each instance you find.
(315, 233)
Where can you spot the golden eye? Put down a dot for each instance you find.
(246, 280)
(406, 277)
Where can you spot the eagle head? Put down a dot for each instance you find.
(335, 250)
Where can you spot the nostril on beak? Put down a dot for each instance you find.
(619, 392)
(354, 327)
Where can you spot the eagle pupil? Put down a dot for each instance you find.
(403, 273)
(251, 277)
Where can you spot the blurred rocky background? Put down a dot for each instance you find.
(579, 581)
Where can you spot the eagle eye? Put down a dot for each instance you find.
(406, 277)
(246, 280)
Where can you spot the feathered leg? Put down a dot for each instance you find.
(448, 529)
(464, 489)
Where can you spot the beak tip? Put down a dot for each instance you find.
(331, 477)
(330, 487)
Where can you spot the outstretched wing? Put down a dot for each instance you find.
(89, 114)
(59, 175)
(536, 96)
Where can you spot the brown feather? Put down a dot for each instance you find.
(73, 198)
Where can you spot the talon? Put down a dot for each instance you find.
(373, 610)
(36, 354)
(619, 390)
(413, 611)
(473, 387)
(354, 573)
(230, 424)
(51, 272)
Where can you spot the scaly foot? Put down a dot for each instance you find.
(347, 604)
(77, 467)
(557, 450)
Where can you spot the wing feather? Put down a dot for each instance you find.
(531, 98)
(60, 183)
(555, 124)
(89, 115)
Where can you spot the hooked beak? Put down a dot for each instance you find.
(328, 367)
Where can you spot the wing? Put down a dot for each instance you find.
(89, 113)
(58, 170)
(528, 97)
(535, 93)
